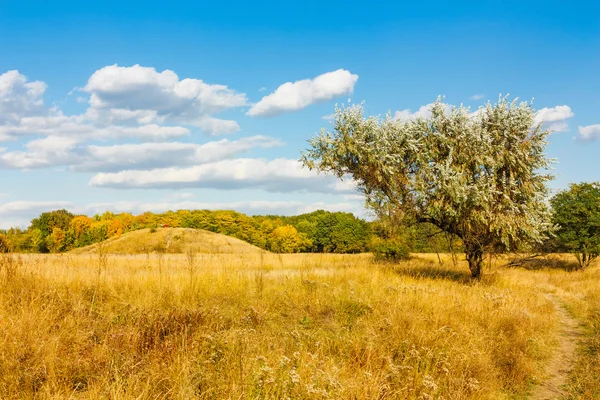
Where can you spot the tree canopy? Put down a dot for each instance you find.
(319, 231)
(480, 176)
(576, 214)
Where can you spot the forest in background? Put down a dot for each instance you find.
(316, 232)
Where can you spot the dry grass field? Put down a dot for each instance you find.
(267, 326)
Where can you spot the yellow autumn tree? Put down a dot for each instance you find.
(286, 239)
(56, 240)
(115, 228)
(80, 225)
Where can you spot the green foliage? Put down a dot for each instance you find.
(481, 177)
(320, 231)
(328, 232)
(390, 249)
(576, 214)
(45, 225)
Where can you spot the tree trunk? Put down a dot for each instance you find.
(475, 258)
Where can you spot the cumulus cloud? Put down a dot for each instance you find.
(554, 118)
(279, 175)
(477, 97)
(152, 156)
(19, 98)
(137, 102)
(297, 95)
(22, 113)
(142, 92)
(590, 132)
(46, 152)
(68, 151)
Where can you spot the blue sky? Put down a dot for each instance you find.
(135, 106)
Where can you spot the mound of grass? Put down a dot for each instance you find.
(170, 240)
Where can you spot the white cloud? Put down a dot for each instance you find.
(161, 155)
(26, 206)
(76, 127)
(554, 118)
(133, 101)
(142, 91)
(328, 117)
(22, 113)
(46, 152)
(68, 151)
(477, 97)
(297, 95)
(590, 132)
(19, 98)
(19, 213)
(216, 126)
(279, 175)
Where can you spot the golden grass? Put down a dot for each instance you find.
(254, 326)
(580, 291)
(171, 240)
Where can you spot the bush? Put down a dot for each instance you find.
(390, 249)
(3, 244)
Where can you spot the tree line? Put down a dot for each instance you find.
(317, 232)
(575, 228)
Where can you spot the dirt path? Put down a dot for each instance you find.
(562, 361)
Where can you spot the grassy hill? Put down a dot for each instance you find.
(171, 240)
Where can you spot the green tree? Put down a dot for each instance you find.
(46, 223)
(576, 214)
(481, 176)
(341, 233)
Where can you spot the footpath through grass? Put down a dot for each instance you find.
(269, 326)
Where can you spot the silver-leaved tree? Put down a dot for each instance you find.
(480, 176)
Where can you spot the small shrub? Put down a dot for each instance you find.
(390, 249)
(3, 244)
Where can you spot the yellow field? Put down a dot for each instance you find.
(254, 326)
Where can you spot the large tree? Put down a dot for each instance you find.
(576, 213)
(480, 176)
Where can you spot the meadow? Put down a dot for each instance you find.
(297, 326)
